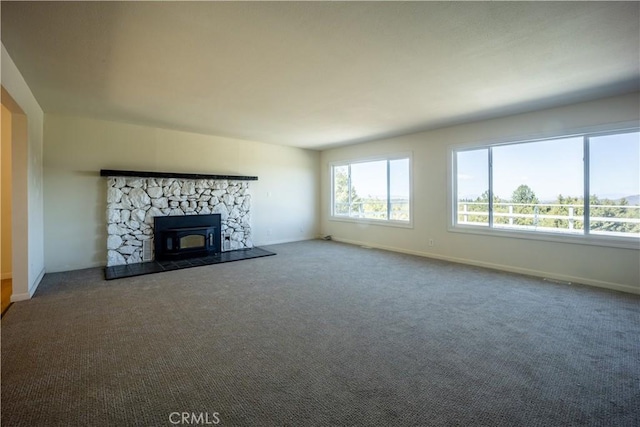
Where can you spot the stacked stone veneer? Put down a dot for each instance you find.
(133, 202)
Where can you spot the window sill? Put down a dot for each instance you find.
(382, 222)
(576, 239)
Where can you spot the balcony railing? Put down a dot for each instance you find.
(618, 220)
(373, 209)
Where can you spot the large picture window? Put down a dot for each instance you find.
(585, 185)
(375, 190)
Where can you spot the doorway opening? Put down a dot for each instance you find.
(6, 182)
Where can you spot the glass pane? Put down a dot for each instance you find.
(192, 241)
(369, 187)
(539, 186)
(614, 184)
(341, 190)
(473, 187)
(400, 188)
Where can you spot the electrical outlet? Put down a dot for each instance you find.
(430, 242)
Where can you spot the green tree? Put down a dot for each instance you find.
(526, 202)
(341, 192)
(484, 197)
(480, 204)
(524, 194)
(606, 208)
(374, 207)
(571, 208)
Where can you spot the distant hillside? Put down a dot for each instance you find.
(633, 200)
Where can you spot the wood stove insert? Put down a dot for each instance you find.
(189, 236)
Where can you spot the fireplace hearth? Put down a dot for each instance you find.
(142, 268)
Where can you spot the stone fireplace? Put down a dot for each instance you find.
(134, 199)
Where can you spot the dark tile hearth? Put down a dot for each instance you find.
(130, 270)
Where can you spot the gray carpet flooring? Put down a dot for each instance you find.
(323, 334)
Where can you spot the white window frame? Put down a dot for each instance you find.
(383, 222)
(626, 242)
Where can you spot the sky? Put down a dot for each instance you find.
(549, 168)
(370, 178)
(555, 167)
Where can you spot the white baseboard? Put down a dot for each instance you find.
(501, 267)
(32, 289)
(20, 297)
(277, 242)
(5, 276)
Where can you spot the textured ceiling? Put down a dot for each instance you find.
(319, 74)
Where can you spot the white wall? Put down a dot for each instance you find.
(613, 268)
(28, 210)
(285, 199)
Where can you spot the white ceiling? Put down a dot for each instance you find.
(319, 74)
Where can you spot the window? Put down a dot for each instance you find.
(377, 190)
(585, 185)
(614, 184)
